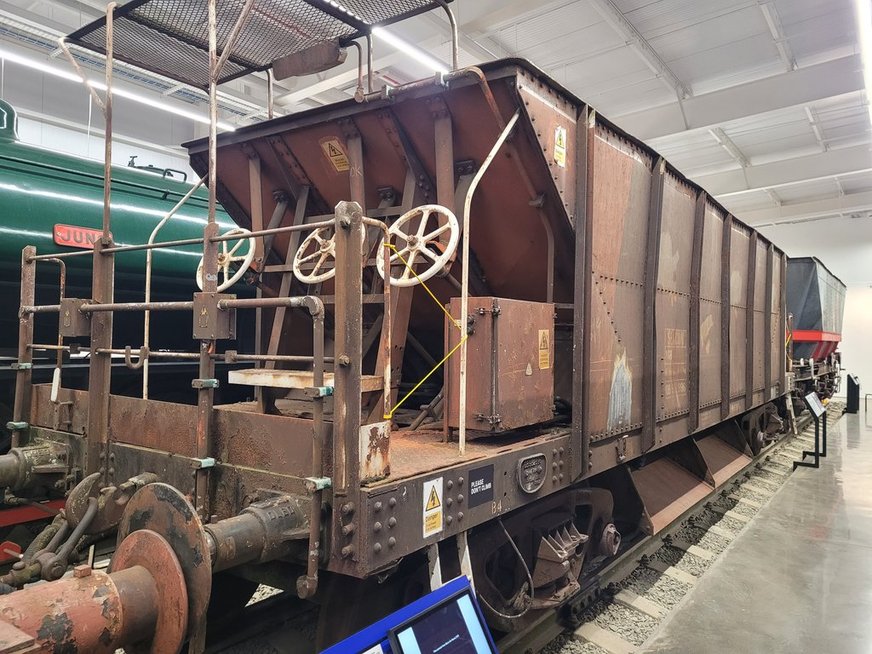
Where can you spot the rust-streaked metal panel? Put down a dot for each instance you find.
(510, 363)
(555, 126)
(375, 451)
(739, 247)
(710, 311)
(722, 460)
(667, 490)
(673, 298)
(156, 425)
(69, 414)
(621, 188)
(760, 279)
(299, 379)
(279, 444)
(776, 332)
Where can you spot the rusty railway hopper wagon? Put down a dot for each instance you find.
(815, 307)
(574, 346)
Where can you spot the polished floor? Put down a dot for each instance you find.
(799, 577)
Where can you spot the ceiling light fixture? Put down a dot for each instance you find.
(48, 69)
(407, 48)
(864, 31)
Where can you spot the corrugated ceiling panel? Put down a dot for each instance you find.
(808, 191)
(816, 26)
(857, 183)
(545, 26)
(791, 135)
(722, 19)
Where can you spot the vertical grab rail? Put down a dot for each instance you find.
(308, 583)
(149, 256)
(103, 284)
(24, 365)
(464, 282)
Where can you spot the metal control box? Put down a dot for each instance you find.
(510, 355)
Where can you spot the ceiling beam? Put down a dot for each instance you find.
(773, 22)
(500, 15)
(811, 210)
(795, 88)
(787, 172)
(615, 18)
(727, 144)
(482, 48)
(816, 128)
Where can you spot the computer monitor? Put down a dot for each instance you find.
(445, 621)
(453, 626)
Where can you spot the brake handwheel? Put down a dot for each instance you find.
(424, 244)
(228, 255)
(318, 250)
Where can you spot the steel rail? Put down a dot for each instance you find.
(550, 626)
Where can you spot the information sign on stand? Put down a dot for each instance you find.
(818, 411)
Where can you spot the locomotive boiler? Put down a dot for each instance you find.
(497, 335)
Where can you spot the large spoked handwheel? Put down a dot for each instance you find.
(318, 250)
(426, 245)
(227, 255)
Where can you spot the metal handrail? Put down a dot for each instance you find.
(182, 242)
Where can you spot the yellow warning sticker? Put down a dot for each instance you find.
(544, 349)
(560, 146)
(336, 154)
(432, 507)
(432, 501)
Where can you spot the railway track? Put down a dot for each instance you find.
(621, 605)
(639, 592)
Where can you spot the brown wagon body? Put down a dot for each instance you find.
(623, 335)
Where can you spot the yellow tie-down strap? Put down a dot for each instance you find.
(454, 322)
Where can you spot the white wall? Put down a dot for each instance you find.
(857, 337)
(845, 247)
(69, 140)
(58, 114)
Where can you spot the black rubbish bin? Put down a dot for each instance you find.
(853, 394)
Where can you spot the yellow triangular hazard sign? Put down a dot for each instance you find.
(333, 151)
(433, 501)
(543, 340)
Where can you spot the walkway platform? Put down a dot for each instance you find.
(799, 577)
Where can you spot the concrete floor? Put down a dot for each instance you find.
(799, 577)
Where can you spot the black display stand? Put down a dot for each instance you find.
(853, 396)
(819, 413)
